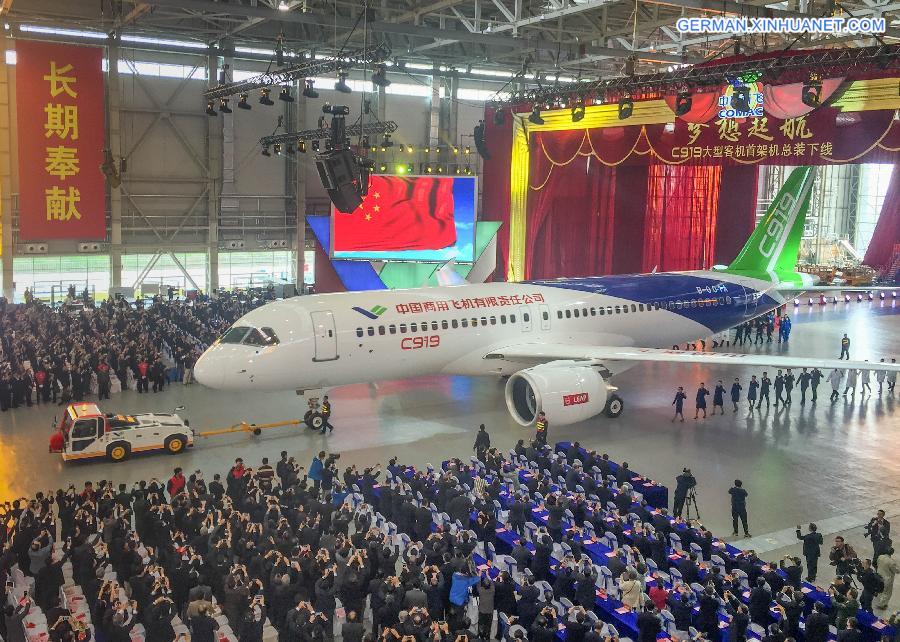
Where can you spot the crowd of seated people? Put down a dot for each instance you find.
(69, 353)
(393, 555)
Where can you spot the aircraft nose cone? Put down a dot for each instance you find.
(207, 371)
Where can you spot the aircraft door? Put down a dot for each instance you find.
(325, 336)
(525, 314)
(545, 317)
(83, 434)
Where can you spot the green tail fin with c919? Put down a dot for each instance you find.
(771, 252)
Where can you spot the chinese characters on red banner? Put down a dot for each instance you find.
(751, 139)
(470, 304)
(61, 124)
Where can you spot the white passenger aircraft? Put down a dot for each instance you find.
(559, 341)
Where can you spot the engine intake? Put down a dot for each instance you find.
(566, 393)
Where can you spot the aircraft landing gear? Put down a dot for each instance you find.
(614, 406)
(313, 418)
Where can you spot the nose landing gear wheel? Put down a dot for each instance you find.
(614, 406)
(313, 420)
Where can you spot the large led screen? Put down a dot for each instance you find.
(409, 218)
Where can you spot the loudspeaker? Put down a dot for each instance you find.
(480, 142)
(339, 173)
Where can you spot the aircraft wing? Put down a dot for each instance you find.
(598, 355)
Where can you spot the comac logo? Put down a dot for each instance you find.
(777, 225)
(576, 399)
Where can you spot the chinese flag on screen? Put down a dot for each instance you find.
(399, 213)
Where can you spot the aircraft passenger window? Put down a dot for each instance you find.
(609, 309)
(559, 314)
(464, 323)
(483, 320)
(640, 307)
(234, 335)
(678, 305)
(512, 318)
(602, 311)
(413, 327)
(381, 330)
(494, 320)
(576, 312)
(371, 331)
(593, 312)
(568, 314)
(503, 319)
(633, 307)
(359, 332)
(545, 315)
(526, 318)
(618, 309)
(402, 328)
(584, 312)
(444, 324)
(434, 326)
(474, 322)
(454, 323)
(392, 329)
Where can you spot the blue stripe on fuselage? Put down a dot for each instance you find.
(668, 288)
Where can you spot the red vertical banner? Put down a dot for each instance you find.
(60, 107)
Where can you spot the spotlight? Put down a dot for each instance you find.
(535, 116)
(382, 168)
(440, 169)
(386, 142)
(242, 103)
(265, 151)
(499, 117)
(315, 145)
(210, 109)
(289, 150)
(373, 149)
(427, 149)
(341, 85)
(379, 78)
(428, 169)
(577, 111)
(223, 106)
(401, 149)
(455, 150)
(264, 97)
(310, 91)
(285, 95)
(812, 91)
(796, 302)
(683, 103)
(740, 99)
(458, 170)
(629, 66)
(468, 170)
(626, 107)
(277, 149)
(409, 168)
(468, 150)
(410, 149)
(401, 169)
(881, 296)
(279, 53)
(301, 147)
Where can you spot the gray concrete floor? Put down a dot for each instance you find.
(800, 465)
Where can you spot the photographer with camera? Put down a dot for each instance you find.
(685, 482)
(878, 530)
(872, 584)
(843, 557)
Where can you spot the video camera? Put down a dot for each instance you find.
(332, 458)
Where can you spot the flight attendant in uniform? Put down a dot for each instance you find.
(719, 398)
(702, 392)
(679, 403)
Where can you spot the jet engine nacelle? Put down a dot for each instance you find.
(566, 393)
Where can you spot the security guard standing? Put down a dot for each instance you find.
(325, 410)
(541, 428)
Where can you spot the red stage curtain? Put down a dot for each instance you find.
(682, 209)
(887, 232)
(495, 184)
(737, 211)
(570, 219)
(630, 218)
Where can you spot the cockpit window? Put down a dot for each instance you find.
(261, 337)
(235, 334)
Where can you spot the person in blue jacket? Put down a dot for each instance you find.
(463, 581)
(316, 468)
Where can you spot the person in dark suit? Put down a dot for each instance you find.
(760, 597)
(648, 624)
(739, 507)
(851, 633)
(689, 569)
(817, 624)
(812, 550)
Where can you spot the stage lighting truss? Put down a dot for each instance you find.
(306, 69)
(823, 62)
(324, 133)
